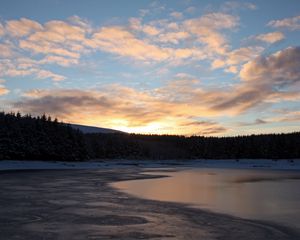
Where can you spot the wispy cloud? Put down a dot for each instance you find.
(257, 121)
(26, 67)
(271, 37)
(292, 23)
(177, 15)
(236, 5)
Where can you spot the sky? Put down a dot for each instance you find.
(188, 67)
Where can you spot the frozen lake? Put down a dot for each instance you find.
(254, 194)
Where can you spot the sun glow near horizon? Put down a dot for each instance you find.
(158, 67)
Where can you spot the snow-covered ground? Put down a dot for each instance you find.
(246, 164)
(251, 163)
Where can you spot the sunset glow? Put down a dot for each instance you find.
(160, 67)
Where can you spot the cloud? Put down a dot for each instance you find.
(215, 21)
(281, 69)
(83, 23)
(63, 61)
(43, 74)
(136, 25)
(207, 28)
(60, 38)
(177, 15)
(2, 31)
(26, 67)
(239, 100)
(5, 50)
(120, 41)
(122, 108)
(242, 55)
(264, 80)
(64, 42)
(22, 27)
(173, 37)
(173, 108)
(150, 30)
(3, 89)
(218, 63)
(183, 75)
(291, 116)
(272, 37)
(206, 127)
(236, 57)
(292, 23)
(190, 9)
(234, 5)
(231, 69)
(47, 48)
(257, 121)
(54, 42)
(62, 30)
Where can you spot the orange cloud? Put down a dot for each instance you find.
(136, 25)
(65, 41)
(208, 27)
(176, 106)
(63, 61)
(1, 30)
(218, 63)
(265, 80)
(26, 67)
(231, 69)
(122, 108)
(231, 59)
(241, 55)
(22, 27)
(46, 47)
(173, 37)
(3, 89)
(5, 50)
(272, 37)
(119, 41)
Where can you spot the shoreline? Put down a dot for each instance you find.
(76, 204)
(266, 164)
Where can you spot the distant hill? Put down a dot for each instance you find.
(90, 129)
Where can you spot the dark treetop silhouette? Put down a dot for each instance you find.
(41, 138)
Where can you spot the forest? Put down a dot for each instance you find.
(43, 138)
(39, 138)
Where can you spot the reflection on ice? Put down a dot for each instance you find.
(255, 194)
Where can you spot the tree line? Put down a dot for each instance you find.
(42, 138)
(39, 138)
(138, 146)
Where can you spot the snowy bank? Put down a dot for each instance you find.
(241, 164)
